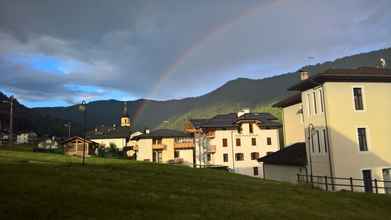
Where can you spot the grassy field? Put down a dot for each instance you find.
(48, 186)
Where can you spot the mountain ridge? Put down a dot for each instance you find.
(257, 94)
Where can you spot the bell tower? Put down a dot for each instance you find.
(125, 120)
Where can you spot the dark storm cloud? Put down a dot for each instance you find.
(153, 48)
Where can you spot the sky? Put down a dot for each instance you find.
(58, 53)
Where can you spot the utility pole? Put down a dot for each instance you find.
(83, 108)
(11, 124)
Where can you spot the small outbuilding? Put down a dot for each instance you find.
(74, 146)
(285, 164)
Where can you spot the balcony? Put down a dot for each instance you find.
(184, 145)
(212, 149)
(158, 146)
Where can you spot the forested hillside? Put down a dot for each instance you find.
(257, 94)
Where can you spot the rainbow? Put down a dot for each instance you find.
(187, 53)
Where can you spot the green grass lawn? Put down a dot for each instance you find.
(49, 186)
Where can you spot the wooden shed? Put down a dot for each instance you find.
(74, 146)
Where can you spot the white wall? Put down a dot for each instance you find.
(246, 166)
(283, 173)
(186, 155)
(144, 150)
(119, 142)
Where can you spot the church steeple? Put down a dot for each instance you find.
(125, 120)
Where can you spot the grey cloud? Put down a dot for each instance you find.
(152, 49)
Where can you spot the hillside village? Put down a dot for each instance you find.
(333, 135)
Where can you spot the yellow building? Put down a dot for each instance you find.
(292, 117)
(347, 124)
(165, 146)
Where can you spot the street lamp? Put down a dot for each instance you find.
(83, 108)
(69, 126)
(11, 124)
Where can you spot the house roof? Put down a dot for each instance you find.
(163, 133)
(231, 120)
(293, 155)
(104, 132)
(288, 101)
(361, 74)
(80, 138)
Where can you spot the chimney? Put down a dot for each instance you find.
(382, 63)
(243, 111)
(147, 131)
(304, 75)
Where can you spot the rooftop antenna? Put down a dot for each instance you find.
(382, 63)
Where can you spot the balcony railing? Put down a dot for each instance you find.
(184, 145)
(158, 146)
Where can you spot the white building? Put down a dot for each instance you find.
(235, 140)
(26, 138)
(285, 164)
(118, 136)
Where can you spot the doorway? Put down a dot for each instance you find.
(367, 179)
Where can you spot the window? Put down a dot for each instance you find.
(238, 142)
(312, 140)
(239, 129)
(254, 156)
(358, 100)
(251, 128)
(255, 170)
(318, 138)
(253, 141)
(225, 142)
(325, 140)
(208, 157)
(362, 139)
(157, 141)
(176, 154)
(225, 157)
(309, 104)
(239, 156)
(315, 105)
(269, 141)
(321, 100)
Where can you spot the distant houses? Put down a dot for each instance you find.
(345, 115)
(26, 137)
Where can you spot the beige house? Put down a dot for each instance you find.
(347, 124)
(165, 146)
(235, 140)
